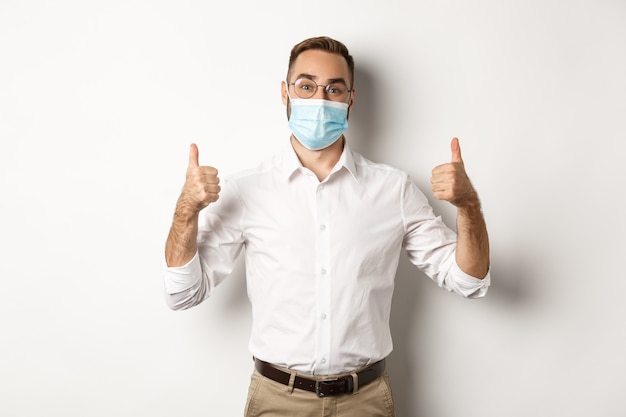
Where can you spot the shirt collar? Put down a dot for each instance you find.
(290, 163)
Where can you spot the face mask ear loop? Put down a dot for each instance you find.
(288, 107)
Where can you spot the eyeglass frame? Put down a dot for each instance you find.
(317, 86)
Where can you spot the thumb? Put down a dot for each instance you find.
(456, 150)
(193, 156)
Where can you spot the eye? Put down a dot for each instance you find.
(305, 85)
(336, 89)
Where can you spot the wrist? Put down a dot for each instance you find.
(471, 204)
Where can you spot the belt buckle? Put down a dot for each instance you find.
(323, 382)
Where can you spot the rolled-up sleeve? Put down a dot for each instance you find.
(184, 285)
(467, 285)
(181, 278)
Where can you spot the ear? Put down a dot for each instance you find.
(283, 92)
(351, 100)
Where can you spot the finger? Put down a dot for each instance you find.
(443, 169)
(209, 175)
(193, 156)
(456, 150)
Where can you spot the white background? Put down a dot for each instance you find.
(99, 102)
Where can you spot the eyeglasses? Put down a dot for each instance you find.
(306, 88)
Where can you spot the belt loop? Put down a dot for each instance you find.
(355, 383)
(292, 379)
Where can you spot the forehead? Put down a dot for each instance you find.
(322, 65)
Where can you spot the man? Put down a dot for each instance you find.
(322, 229)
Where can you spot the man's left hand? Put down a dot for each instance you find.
(451, 183)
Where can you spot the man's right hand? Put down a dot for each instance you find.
(201, 185)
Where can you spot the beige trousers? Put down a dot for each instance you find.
(267, 398)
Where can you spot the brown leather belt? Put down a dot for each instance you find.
(323, 387)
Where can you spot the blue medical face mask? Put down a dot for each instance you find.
(317, 123)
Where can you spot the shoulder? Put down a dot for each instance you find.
(266, 172)
(367, 167)
(387, 179)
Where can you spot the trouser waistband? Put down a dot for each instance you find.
(325, 387)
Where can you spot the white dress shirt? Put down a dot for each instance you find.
(321, 258)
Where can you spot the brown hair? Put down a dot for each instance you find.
(323, 43)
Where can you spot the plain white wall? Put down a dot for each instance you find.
(100, 100)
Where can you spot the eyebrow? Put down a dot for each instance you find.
(330, 81)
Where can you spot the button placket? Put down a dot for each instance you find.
(323, 279)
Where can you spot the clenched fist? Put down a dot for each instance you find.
(201, 185)
(450, 182)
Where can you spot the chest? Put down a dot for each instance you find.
(299, 216)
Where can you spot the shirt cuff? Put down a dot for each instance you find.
(180, 278)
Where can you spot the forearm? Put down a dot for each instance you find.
(181, 244)
(472, 252)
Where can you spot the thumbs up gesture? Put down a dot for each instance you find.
(450, 182)
(201, 185)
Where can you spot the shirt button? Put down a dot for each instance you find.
(323, 227)
(323, 360)
(323, 316)
(323, 271)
